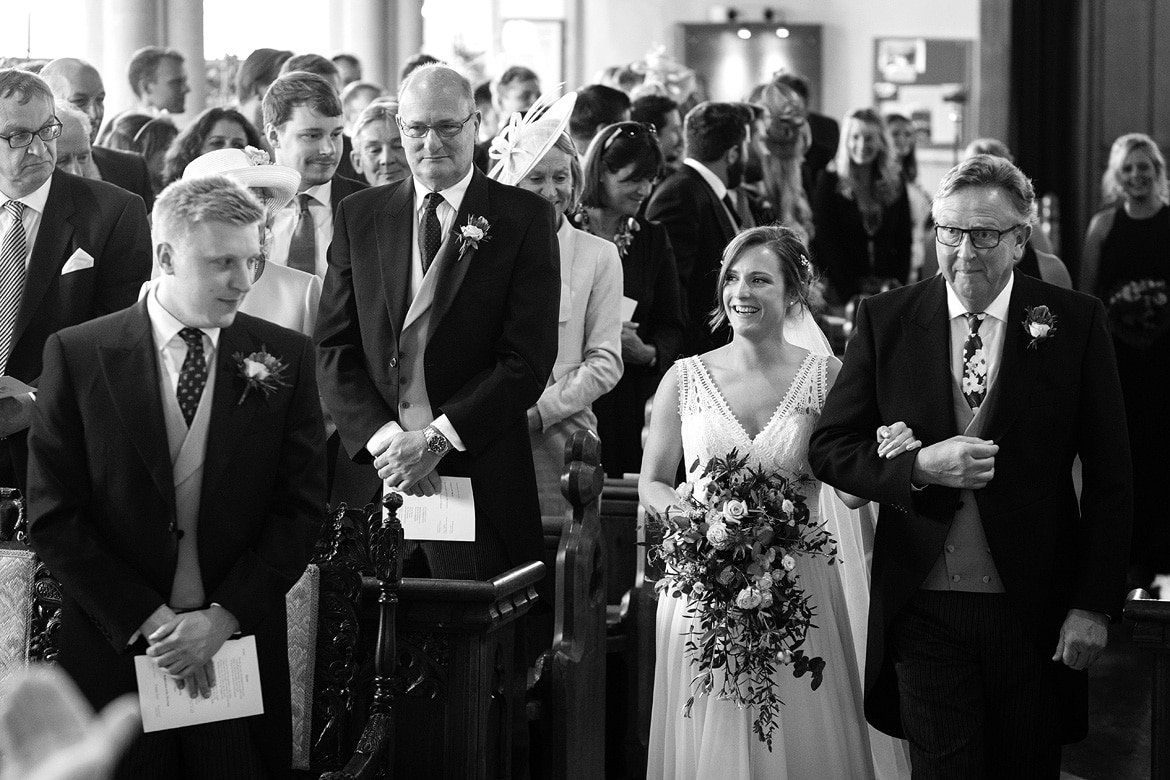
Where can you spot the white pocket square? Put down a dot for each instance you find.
(80, 259)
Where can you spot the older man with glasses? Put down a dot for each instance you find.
(992, 585)
(71, 249)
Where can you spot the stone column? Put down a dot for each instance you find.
(410, 32)
(368, 35)
(126, 26)
(184, 31)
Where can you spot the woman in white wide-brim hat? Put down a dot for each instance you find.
(279, 294)
(535, 153)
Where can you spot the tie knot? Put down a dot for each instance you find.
(193, 337)
(432, 200)
(15, 208)
(304, 200)
(975, 319)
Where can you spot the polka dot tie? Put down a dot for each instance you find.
(974, 362)
(193, 375)
(432, 232)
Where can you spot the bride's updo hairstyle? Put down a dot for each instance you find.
(788, 248)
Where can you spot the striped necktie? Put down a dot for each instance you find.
(13, 252)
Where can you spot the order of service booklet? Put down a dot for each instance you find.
(236, 693)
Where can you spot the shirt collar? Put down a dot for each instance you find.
(166, 326)
(453, 195)
(321, 193)
(36, 199)
(713, 181)
(998, 308)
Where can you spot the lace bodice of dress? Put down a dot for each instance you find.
(710, 428)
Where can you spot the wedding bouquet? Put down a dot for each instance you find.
(1138, 314)
(731, 548)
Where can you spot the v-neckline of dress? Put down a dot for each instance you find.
(709, 379)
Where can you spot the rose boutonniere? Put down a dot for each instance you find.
(471, 234)
(1040, 323)
(260, 371)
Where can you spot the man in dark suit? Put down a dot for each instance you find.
(991, 588)
(70, 250)
(303, 123)
(176, 499)
(76, 81)
(694, 207)
(433, 345)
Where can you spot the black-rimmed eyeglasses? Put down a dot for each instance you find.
(46, 133)
(981, 238)
(443, 129)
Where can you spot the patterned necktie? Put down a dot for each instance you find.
(974, 362)
(12, 272)
(302, 251)
(432, 230)
(193, 375)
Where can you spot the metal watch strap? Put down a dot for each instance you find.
(437, 443)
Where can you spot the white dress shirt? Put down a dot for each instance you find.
(447, 211)
(34, 204)
(172, 350)
(991, 332)
(285, 222)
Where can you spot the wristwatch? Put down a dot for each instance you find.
(437, 443)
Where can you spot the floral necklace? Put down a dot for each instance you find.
(623, 239)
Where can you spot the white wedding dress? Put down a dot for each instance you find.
(819, 734)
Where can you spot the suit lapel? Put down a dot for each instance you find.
(1017, 364)
(126, 367)
(49, 253)
(394, 230)
(927, 335)
(452, 268)
(229, 417)
(721, 215)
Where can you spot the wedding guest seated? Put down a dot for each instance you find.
(663, 113)
(176, 494)
(256, 73)
(692, 204)
(861, 214)
(303, 124)
(619, 171)
(158, 78)
(214, 128)
(73, 150)
(377, 153)
(71, 249)
(596, 107)
(79, 84)
(537, 155)
(1124, 264)
(349, 68)
(144, 135)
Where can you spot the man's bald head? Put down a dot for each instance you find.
(77, 82)
(436, 112)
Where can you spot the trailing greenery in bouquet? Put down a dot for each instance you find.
(731, 547)
(1138, 314)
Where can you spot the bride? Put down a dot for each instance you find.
(762, 394)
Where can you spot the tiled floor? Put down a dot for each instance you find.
(1118, 746)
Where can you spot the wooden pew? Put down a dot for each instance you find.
(567, 702)
(1151, 631)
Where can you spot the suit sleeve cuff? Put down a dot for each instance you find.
(382, 436)
(444, 426)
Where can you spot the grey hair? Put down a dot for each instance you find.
(65, 109)
(427, 72)
(985, 170)
(189, 202)
(381, 109)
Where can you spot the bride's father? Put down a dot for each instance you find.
(438, 329)
(992, 588)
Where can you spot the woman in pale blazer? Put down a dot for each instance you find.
(537, 154)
